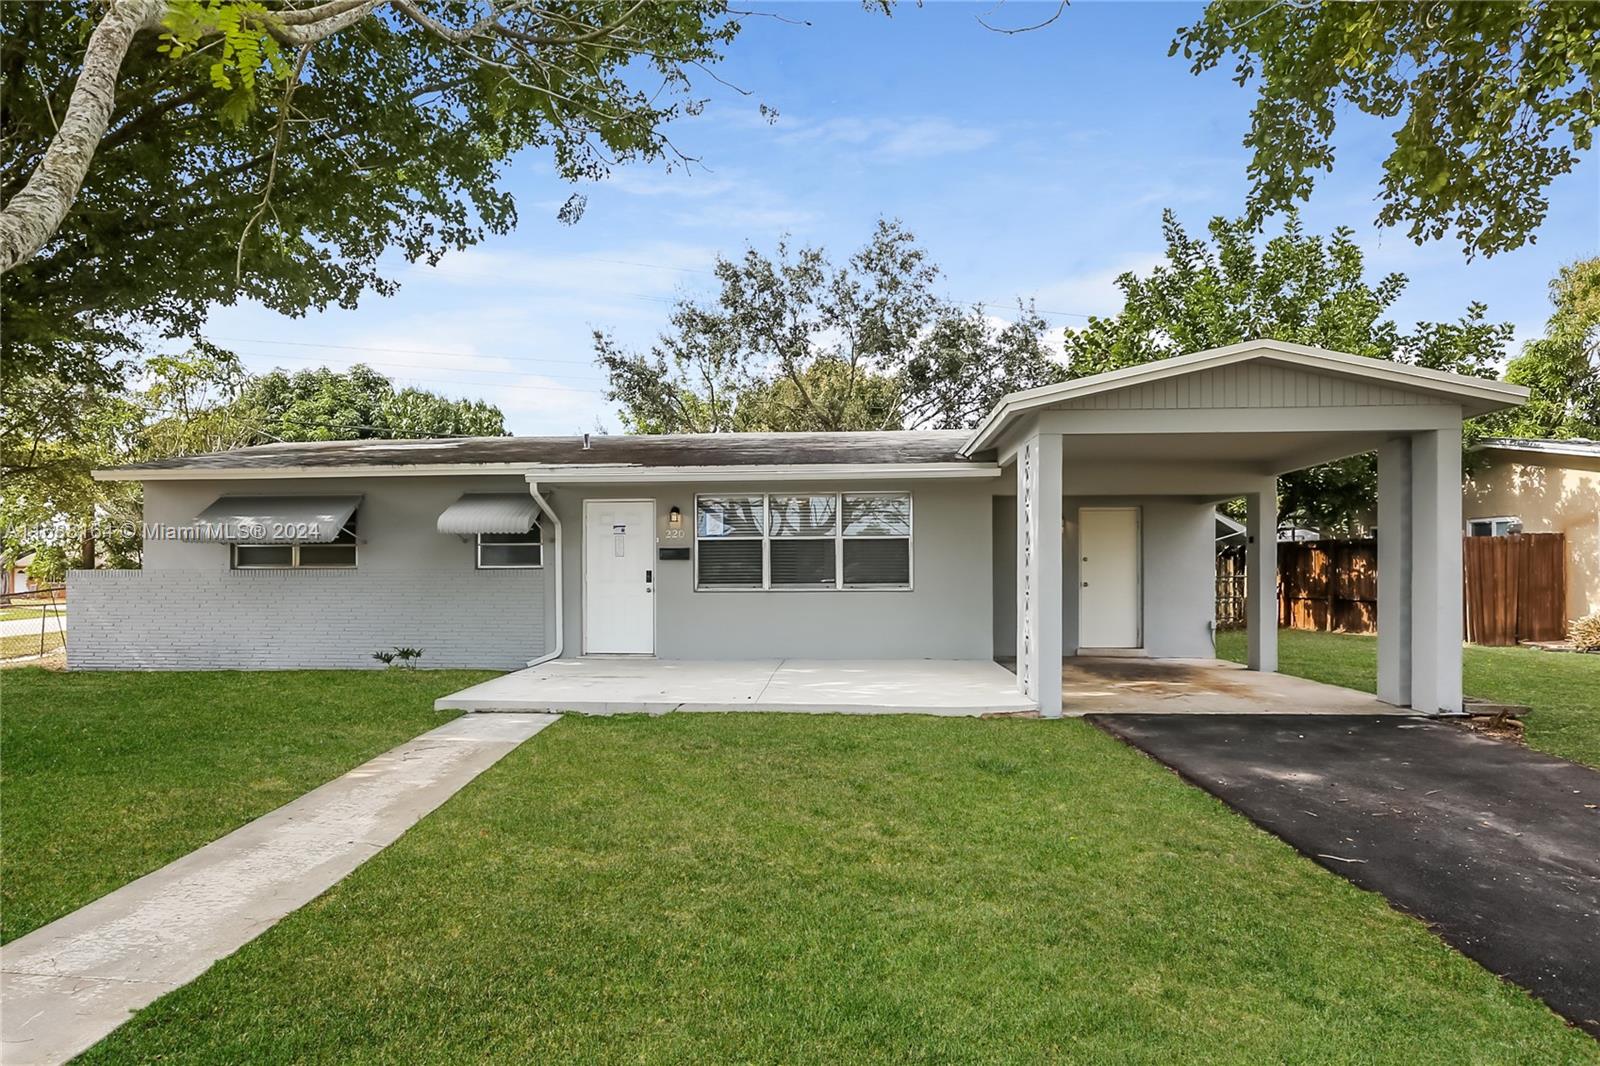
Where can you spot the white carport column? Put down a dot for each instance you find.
(1261, 575)
(1394, 572)
(1039, 571)
(1436, 621)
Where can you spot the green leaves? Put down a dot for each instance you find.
(795, 342)
(235, 31)
(1561, 369)
(1495, 100)
(396, 144)
(1296, 287)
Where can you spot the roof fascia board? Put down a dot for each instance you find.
(591, 474)
(575, 473)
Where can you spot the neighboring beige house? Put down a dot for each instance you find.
(1542, 486)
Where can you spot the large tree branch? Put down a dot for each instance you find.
(32, 217)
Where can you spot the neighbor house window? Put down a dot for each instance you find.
(337, 554)
(510, 551)
(1494, 527)
(799, 541)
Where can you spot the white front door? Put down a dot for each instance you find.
(619, 547)
(1108, 575)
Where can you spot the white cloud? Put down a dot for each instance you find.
(1093, 292)
(893, 140)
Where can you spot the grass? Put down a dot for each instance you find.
(1563, 689)
(765, 888)
(19, 611)
(19, 645)
(107, 776)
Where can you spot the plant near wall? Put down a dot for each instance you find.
(401, 658)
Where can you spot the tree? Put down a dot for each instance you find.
(1562, 368)
(163, 156)
(1297, 288)
(794, 342)
(199, 401)
(355, 404)
(1493, 101)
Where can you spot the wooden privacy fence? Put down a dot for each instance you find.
(1514, 587)
(1328, 585)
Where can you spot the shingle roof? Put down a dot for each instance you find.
(665, 450)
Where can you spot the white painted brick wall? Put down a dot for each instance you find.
(294, 619)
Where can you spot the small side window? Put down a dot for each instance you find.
(510, 551)
(1494, 527)
(337, 554)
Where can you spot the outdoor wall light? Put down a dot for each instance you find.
(674, 518)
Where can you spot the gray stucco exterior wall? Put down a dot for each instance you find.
(1177, 562)
(945, 615)
(188, 610)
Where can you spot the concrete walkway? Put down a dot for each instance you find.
(67, 985)
(597, 685)
(1495, 846)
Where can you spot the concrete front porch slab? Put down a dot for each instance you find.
(657, 686)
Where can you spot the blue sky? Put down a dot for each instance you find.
(1031, 165)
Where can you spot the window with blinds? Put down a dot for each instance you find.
(809, 541)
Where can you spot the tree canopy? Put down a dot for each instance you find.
(1295, 287)
(1562, 368)
(794, 341)
(199, 401)
(163, 156)
(1492, 102)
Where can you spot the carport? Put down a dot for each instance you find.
(1116, 476)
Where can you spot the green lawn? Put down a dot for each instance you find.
(841, 889)
(1563, 689)
(32, 643)
(26, 611)
(107, 776)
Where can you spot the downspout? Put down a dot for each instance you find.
(555, 525)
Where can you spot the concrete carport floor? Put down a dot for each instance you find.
(1118, 685)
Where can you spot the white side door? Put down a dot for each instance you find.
(619, 547)
(1108, 573)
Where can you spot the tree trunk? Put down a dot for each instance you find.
(32, 217)
(87, 552)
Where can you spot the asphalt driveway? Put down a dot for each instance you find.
(1495, 846)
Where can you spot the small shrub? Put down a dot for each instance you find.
(401, 658)
(1584, 633)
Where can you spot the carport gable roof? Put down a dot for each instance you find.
(623, 457)
(1476, 396)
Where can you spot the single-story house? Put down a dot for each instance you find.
(1076, 518)
(1542, 486)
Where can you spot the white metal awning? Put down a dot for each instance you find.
(489, 512)
(275, 519)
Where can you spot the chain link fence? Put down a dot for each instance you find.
(33, 623)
